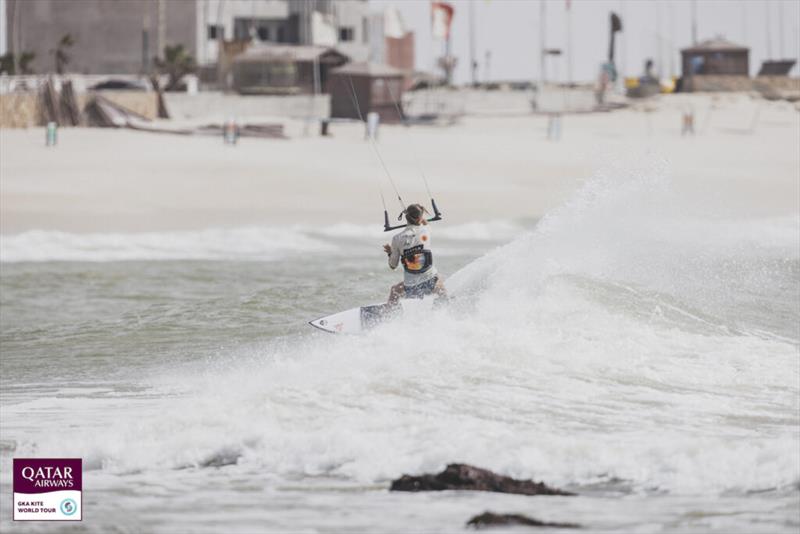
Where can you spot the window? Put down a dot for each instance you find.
(697, 64)
(346, 33)
(261, 29)
(216, 31)
(241, 29)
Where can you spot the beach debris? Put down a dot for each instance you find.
(554, 126)
(373, 121)
(51, 136)
(264, 130)
(230, 132)
(491, 519)
(468, 477)
(102, 112)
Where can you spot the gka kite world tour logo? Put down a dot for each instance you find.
(47, 489)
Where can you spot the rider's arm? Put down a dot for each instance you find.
(394, 255)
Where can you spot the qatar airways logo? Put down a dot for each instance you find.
(48, 489)
(49, 477)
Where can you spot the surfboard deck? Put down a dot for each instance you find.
(361, 319)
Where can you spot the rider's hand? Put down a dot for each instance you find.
(387, 249)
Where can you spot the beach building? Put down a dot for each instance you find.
(123, 37)
(377, 88)
(284, 69)
(715, 65)
(716, 56)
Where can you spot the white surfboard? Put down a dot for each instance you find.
(358, 320)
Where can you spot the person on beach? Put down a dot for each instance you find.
(412, 248)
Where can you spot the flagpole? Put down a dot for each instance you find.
(472, 63)
(623, 49)
(542, 47)
(659, 56)
(780, 30)
(569, 42)
(769, 37)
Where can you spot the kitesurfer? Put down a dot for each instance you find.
(412, 248)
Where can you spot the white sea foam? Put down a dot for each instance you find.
(256, 243)
(261, 243)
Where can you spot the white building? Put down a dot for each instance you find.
(123, 37)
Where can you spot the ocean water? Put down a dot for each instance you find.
(630, 346)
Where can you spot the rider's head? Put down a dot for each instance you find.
(414, 213)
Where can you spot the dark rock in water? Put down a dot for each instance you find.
(467, 477)
(489, 519)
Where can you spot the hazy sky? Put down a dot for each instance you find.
(651, 28)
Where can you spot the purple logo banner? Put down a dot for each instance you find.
(44, 475)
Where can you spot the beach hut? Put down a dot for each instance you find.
(715, 57)
(377, 88)
(283, 69)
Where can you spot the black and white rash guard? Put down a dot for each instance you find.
(412, 247)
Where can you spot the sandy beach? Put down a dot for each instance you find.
(487, 167)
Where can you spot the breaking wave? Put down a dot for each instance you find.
(628, 337)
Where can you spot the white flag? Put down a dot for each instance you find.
(393, 24)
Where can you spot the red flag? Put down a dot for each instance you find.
(441, 18)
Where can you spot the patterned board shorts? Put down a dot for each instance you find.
(421, 290)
